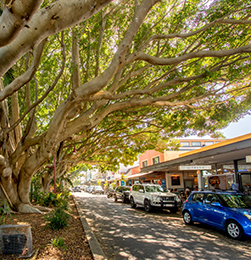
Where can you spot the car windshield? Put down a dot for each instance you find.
(236, 200)
(155, 188)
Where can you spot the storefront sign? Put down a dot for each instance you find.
(248, 159)
(163, 183)
(195, 167)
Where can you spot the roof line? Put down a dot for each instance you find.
(220, 144)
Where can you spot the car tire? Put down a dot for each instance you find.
(147, 206)
(234, 230)
(115, 198)
(187, 218)
(123, 199)
(174, 210)
(132, 203)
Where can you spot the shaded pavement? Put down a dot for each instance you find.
(125, 233)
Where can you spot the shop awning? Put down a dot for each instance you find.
(135, 176)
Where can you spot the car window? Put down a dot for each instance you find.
(198, 197)
(141, 187)
(211, 198)
(154, 188)
(135, 187)
(236, 200)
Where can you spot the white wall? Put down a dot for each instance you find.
(169, 180)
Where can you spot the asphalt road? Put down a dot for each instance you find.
(126, 233)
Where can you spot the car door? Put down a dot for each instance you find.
(214, 215)
(140, 194)
(118, 193)
(196, 206)
(135, 191)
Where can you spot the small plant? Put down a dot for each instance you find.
(5, 210)
(58, 242)
(57, 219)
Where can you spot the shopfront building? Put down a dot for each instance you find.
(217, 166)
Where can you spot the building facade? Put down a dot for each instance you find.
(173, 178)
(216, 166)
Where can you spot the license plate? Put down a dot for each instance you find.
(169, 205)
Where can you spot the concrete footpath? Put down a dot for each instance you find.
(96, 250)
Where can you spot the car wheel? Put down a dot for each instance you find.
(234, 230)
(115, 198)
(147, 206)
(133, 205)
(187, 218)
(173, 210)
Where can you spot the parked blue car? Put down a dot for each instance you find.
(226, 210)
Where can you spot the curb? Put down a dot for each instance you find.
(96, 250)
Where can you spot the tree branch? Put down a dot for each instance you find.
(48, 21)
(46, 93)
(15, 16)
(20, 81)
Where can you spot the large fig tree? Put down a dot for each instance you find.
(99, 81)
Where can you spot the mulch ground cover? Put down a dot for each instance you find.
(73, 242)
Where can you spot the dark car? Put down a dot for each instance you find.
(122, 193)
(76, 189)
(229, 211)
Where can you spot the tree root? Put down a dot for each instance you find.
(42, 208)
(27, 208)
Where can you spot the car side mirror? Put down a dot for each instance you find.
(142, 191)
(216, 204)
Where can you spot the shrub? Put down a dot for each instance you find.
(62, 200)
(50, 199)
(57, 218)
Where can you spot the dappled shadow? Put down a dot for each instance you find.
(126, 233)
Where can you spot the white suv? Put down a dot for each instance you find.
(151, 195)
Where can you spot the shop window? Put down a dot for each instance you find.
(196, 143)
(144, 163)
(185, 144)
(156, 160)
(175, 180)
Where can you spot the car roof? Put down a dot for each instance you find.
(219, 191)
(147, 184)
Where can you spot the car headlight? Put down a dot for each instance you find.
(177, 198)
(156, 198)
(248, 216)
